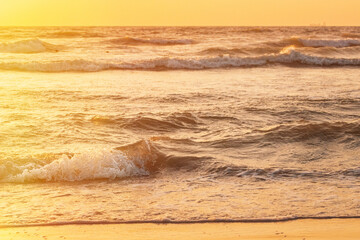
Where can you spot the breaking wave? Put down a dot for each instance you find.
(138, 159)
(287, 57)
(150, 41)
(141, 158)
(28, 46)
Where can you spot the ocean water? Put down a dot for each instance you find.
(178, 124)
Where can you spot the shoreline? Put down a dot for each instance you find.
(280, 220)
(334, 228)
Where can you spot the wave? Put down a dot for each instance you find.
(256, 30)
(28, 46)
(271, 173)
(220, 50)
(169, 123)
(286, 133)
(138, 159)
(289, 57)
(150, 41)
(71, 34)
(315, 43)
(323, 47)
(141, 158)
(257, 51)
(350, 35)
(302, 132)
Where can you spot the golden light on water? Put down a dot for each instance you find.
(113, 125)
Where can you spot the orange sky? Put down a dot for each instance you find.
(178, 12)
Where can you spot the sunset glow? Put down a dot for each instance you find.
(179, 119)
(179, 13)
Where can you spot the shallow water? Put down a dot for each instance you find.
(178, 124)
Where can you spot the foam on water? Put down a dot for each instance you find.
(80, 167)
(138, 159)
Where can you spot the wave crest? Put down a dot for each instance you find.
(150, 41)
(173, 122)
(28, 46)
(138, 159)
(71, 34)
(316, 43)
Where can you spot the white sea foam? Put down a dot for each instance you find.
(91, 165)
(27, 46)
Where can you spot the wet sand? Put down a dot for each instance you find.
(299, 229)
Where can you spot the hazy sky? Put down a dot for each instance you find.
(178, 12)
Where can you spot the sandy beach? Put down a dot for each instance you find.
(299, 229)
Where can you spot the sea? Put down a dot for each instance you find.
(178, 124)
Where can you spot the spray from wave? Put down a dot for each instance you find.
(28, 46)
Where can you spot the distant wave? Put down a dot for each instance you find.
(256, 30)
(150, 41)
(288, 57)
(308, 42)
(71, 34)
(261, 50)
(28, 46)
(329, 43)
(351, 35)
(220, 50)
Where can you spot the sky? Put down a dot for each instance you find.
(178, 12)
